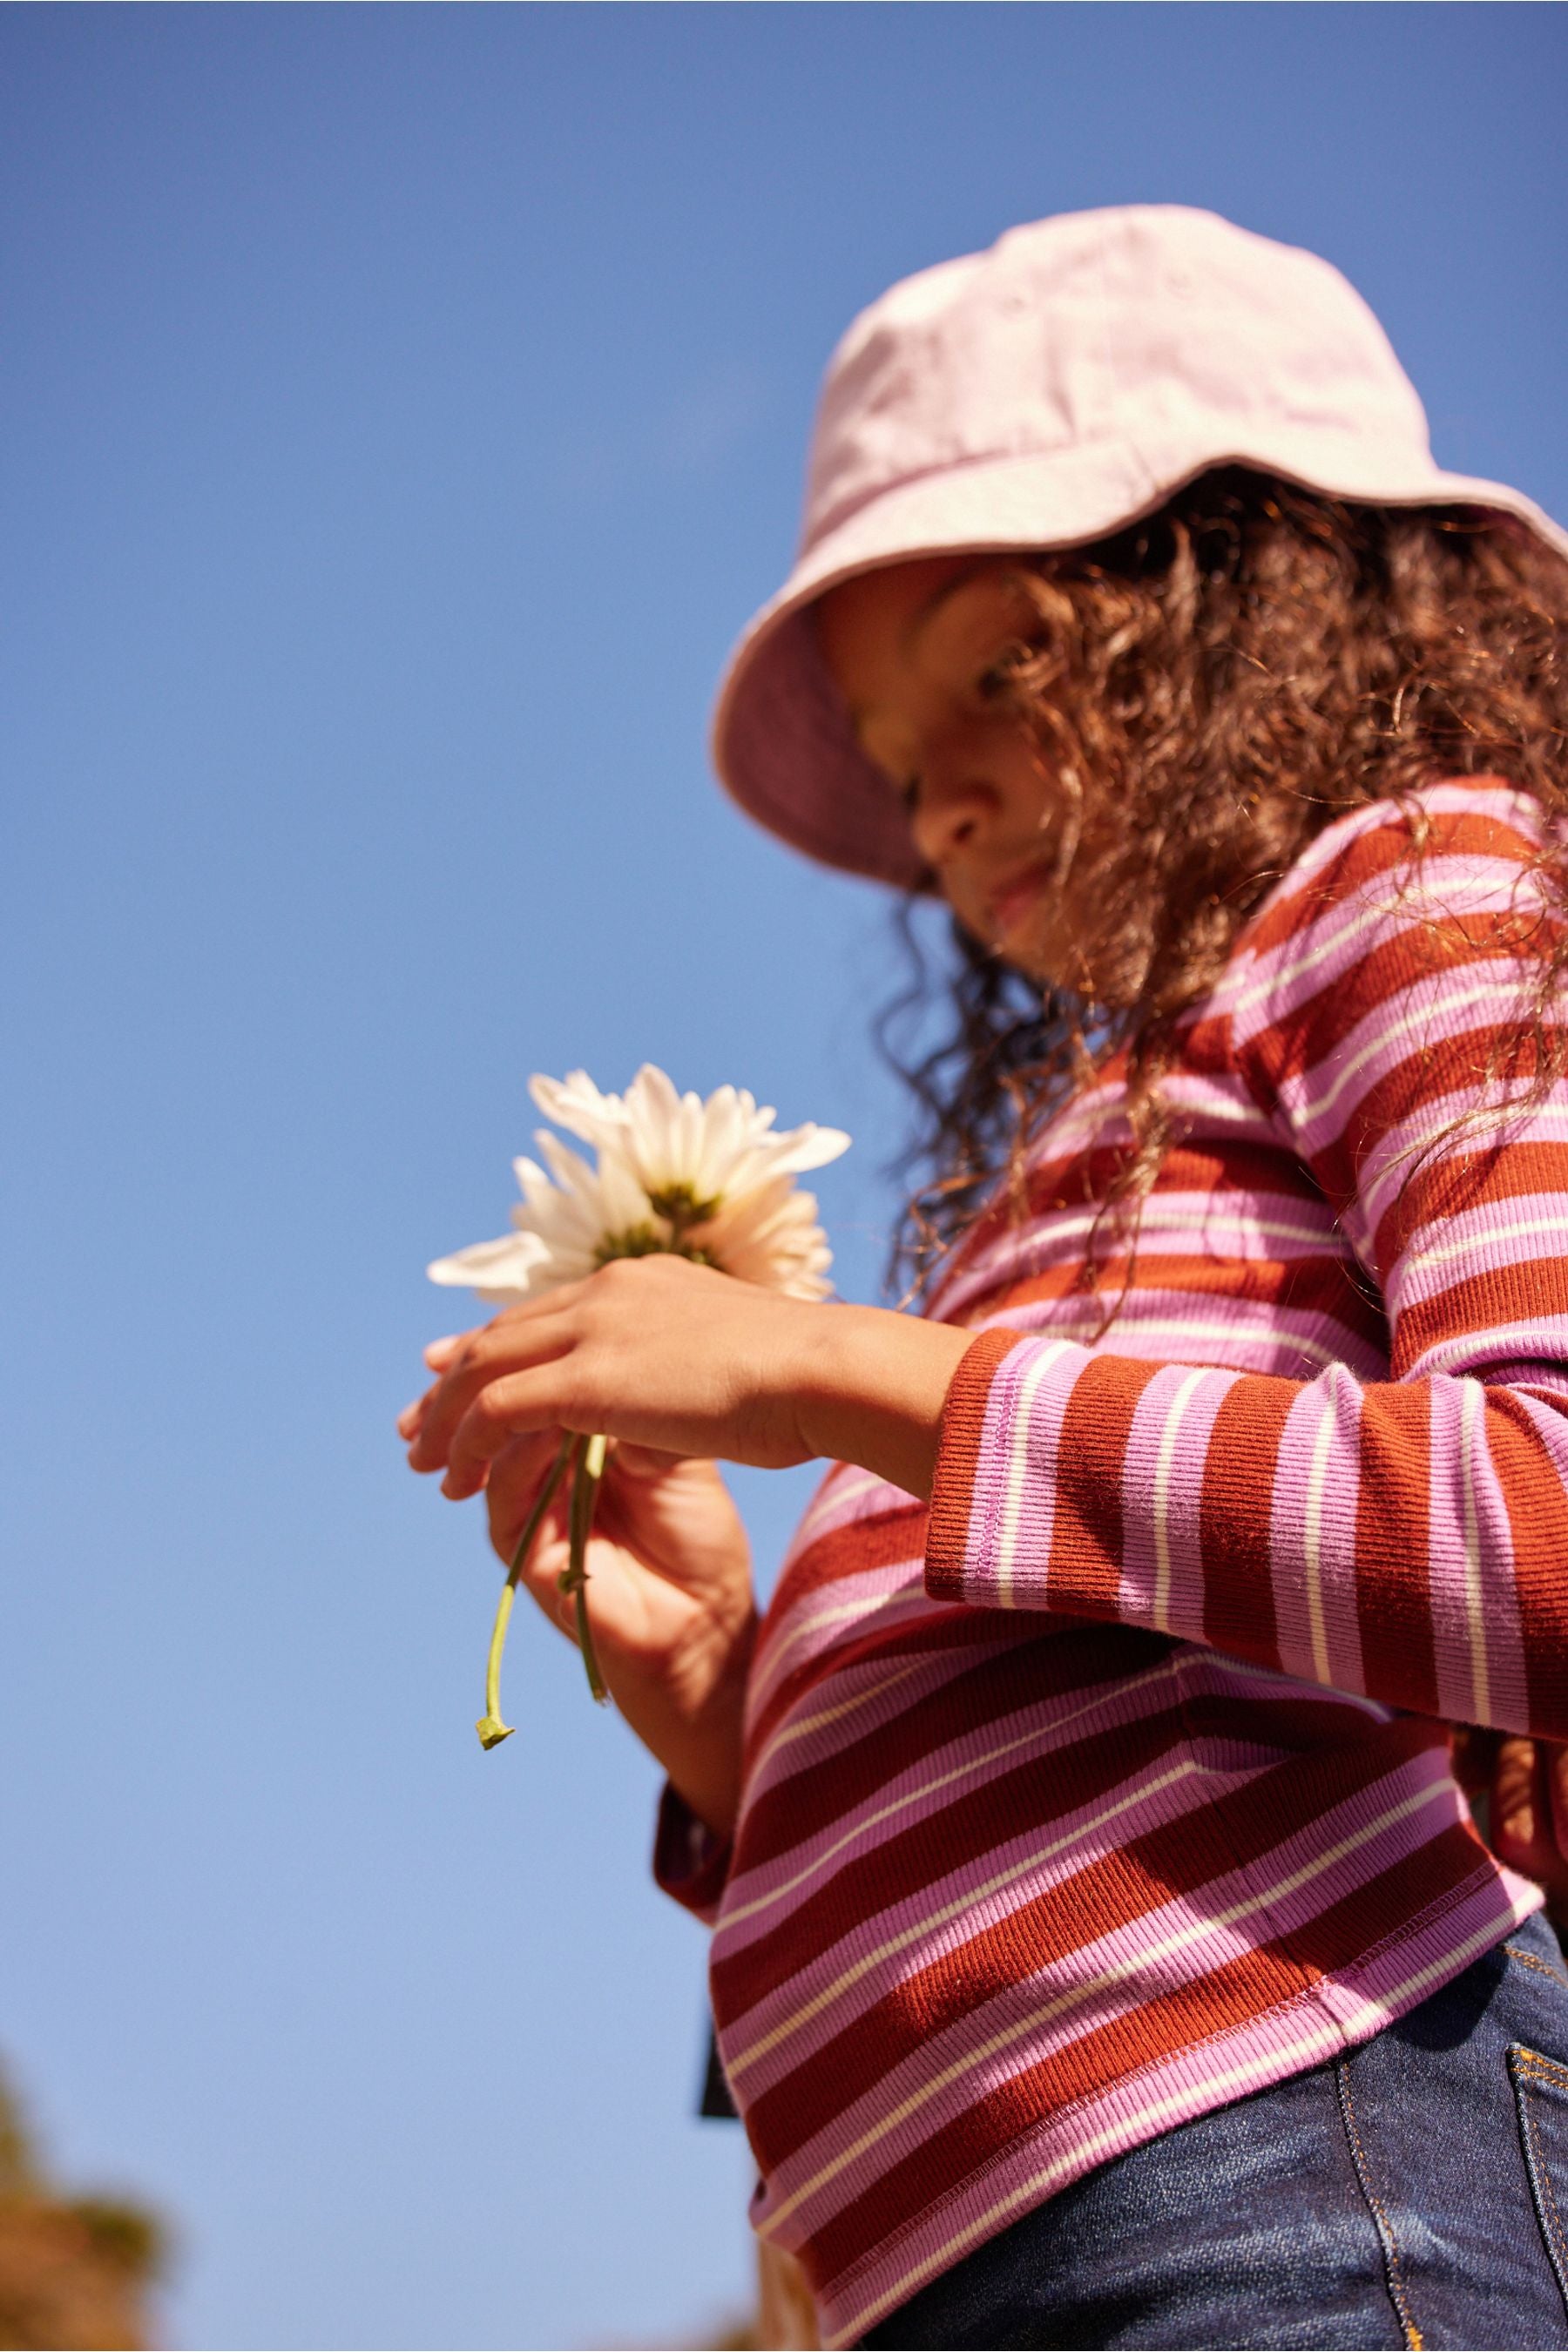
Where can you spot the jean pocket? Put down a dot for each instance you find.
(1541, 2096)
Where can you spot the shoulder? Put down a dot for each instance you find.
(1438, 879)
(1408, 852)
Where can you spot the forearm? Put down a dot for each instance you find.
(1398, 1540)
(872, 1386)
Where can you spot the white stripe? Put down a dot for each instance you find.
(1045, 1736)
(1278, 2060)
(1084, 1989)
(1243, 1332)
(1311, 1542)
(1168, 1436)
(1018, 1469)
(1305, 1108)
(1480, 1680)
(1011, 1876)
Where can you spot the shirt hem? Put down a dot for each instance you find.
(1317, 2024)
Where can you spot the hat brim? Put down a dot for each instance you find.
(782, 741)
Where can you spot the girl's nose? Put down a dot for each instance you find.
(946, 817)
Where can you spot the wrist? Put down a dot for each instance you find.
(873, 1388)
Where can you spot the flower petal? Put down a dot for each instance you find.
(576, 1103)
(502, 1270)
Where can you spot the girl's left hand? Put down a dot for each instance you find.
(662, 1353)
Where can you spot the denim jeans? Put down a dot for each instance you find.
(1405, 2195)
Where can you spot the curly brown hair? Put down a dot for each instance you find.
(1235, 672)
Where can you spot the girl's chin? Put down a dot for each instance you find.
(1025, 956)
(1055, 967)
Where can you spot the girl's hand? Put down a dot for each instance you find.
(661, 1353)
(679, 1365)
(670, 1594)
(1525, 1783)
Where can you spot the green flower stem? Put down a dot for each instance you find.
(490, 1728)
(588, 1468)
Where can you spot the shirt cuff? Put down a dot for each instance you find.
(961, 1446)
(691, 1863)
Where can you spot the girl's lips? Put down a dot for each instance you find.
(1015, 898)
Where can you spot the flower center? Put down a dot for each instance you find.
(641, 1241)
(680, 1205)
(636, 1241)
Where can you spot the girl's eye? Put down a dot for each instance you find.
(909, 793)
(1000, 678)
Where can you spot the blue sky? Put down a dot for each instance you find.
(402, 409)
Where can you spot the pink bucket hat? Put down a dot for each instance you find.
(1041, 395)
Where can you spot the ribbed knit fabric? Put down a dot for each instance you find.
(1108, 1791)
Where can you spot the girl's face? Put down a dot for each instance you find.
(922, 653)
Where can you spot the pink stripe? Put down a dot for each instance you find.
(1320, 1104)
(1184, 1513)
(1454, 1249)
(1508, 1689)
(896, 1686)
(1205, 1224)
(1179, 1521)
(1449, 1567)
(1250, 1336)
(1149, 1975)
(1078, 1715)
(1312, 1490)
(1472, 1351)
(993, 1551)
(822, 1620)
(1190, 2083)
(1081, 1847)
(1326, 952)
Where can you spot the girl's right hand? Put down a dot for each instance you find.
(1525, 1784)
(669, 1598)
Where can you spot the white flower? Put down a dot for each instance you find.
(710, 1180)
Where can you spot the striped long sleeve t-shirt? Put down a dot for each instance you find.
(1117, 1784)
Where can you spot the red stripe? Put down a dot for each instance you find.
(1538, 1520)
(1481, 1174)
(957, 1462)
(1085, 1532)
(1193, 1851)
(1232, 1537)
(1044, 1660)
(1247, 1987)
(1393, 1547)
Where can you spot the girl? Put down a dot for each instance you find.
(1104, 1951)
